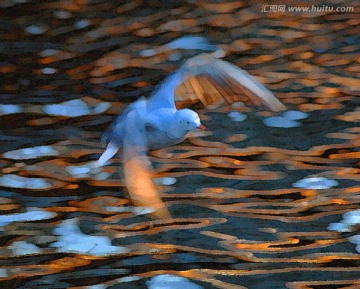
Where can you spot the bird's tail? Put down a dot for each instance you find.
(110, 151)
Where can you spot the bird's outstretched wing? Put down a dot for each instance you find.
(222, 74)
(163, 95)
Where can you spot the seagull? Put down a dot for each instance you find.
(155, 122)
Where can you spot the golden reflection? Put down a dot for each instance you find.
(352, 116)
(7, 69)
(352, 190)
(326, 106)
(68, 262)
(141, 188)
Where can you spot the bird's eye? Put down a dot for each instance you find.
(188, 122)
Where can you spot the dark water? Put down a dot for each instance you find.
(253, 205)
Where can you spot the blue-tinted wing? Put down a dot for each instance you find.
(163, 96)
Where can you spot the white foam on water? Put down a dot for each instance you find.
(36, 29)
(288, 119)
(350, 221)
(280, 121)
(3, 273)
(31, 215)
(83, 23)
(15, 181)
(167, 281)
(98, 286)
(49, 70)
(79, 171)
(9, 109)
(128, 279)
(237, 116)
(165, 181)
(71, 108)
(339, 227)
(48, 52)
(352, 218)
(24, 248)
(295, 114)
(75, 108)
(31, 153)
(355, 239)
(315, 183)
(71, 239)
(102, 107)
(87, 170)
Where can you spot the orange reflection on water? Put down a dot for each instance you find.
(27, 271)
(69, 262)
(7, 69)
(160, 225)
(344, 284)
(141, 188)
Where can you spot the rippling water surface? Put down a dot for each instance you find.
(257, 201)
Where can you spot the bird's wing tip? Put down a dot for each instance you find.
(276, 105)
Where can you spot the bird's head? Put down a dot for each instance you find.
(188, 120)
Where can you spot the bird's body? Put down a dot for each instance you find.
(156, 122)
(154, 129)
(164, 130)
(160, 128)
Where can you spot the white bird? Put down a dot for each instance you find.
(156, 123)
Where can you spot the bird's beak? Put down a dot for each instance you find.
(202, 127)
